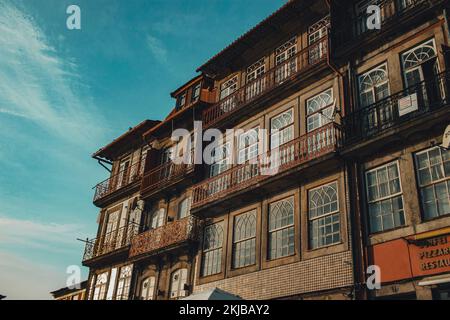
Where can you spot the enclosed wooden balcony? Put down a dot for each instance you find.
(268, 167)
(129, 178)
(170, 236)
(111, 245)
(422, 107)
(281, 75)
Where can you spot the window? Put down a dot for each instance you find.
(281, 229)
(123, 285)
(212, 250)
(148, 288)
(184, 208)
(178, 281)
(320, 110)
(100, 286)
(158, 218)
(244, 240)
(385, 200)
(111, 231)
(248, 145)
(433, 174)
(124, 173)
(222, 159)
(144, 153)
(181, 101)
(282, 129)
(324, 216)
(316, 40)
(285, 60)
(418, 61)
(254, 72)
(227, 88)
(196, 92)
(374, 86)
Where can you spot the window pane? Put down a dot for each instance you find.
(281, 229)
(244, 240)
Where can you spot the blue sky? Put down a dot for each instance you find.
(65, 93)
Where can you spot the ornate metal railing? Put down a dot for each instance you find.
(301, 150)
(165, 174)
(300, 62)
(165, 237)
(412, 102)
(110, 241)
(120, 180)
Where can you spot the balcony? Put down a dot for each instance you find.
(414, 108)
(276, 77)
(165, 238)
(124, 180)
(395, 17)
(110, 244)
(302, 150)
(164, 176)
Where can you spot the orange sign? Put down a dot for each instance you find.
(430, 256)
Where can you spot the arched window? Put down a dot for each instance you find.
(158, 218)
(212, 250)
(100, 286)
(184, 208)
(148, 288)
(374, 85)
(178, 280)
(123, 285)
(281, 129)
(244, 240)
(420, 63)
(281, 229)
(324, 217)
(319, 110)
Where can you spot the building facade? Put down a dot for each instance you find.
(334, 165)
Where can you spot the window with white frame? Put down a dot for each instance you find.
(184, 208)
(212, 250)
(281, 229)
(196, 92)
(101, 285)
(285, 61)
(255, 82)
(148, 288)
(228, 87)
(244, 240)
(124, 282)
(324, 216)
(419, 62)
(181, 100)
(221, 156)
(282, 129)
(124, 172)
(256, 70)
(320, 110)
(248, 145)
(178, 281)
(316, 40)
(374, 85)
(433, 175)
(157, 218)
(385, 198)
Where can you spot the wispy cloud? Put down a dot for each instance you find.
(157, 48)
(51, 237)
(39, 85)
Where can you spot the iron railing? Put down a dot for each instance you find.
(300, 62)
(412, 102)
(120, 180)
(110, 241)
(165, 237)
(301, 150)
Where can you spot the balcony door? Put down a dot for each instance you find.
(256, 82)
(227, 98)
(286, 61)
(157, 218)
(124, 172)
(166, 162)
(317, 42)
(375, 109)
(111, 229)
(420, 71)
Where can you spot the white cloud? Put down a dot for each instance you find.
(157, 48)
(38, 85)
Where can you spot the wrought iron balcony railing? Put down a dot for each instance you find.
(110, 242)
(164, 175)
(118, 181)
(165, 237)
(413, 102)
(299, 151)
(273, 78)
